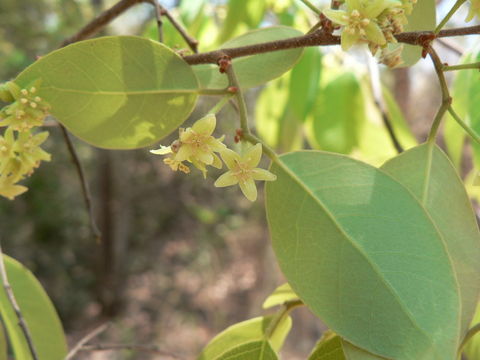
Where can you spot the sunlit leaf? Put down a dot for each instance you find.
(362, 253)
(428, 173)
(248, 338)
(472, 349)
(280, 296)
(253, 70)
(38, 312)
(118, 92)
(333, 347)
(338, 115)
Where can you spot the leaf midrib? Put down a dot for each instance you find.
(123, 93)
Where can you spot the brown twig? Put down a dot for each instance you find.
(446, 98)
(380, 102)
(78, 347)
(16, 308)
(152, 349)
(318, 38)
(158, 16)
(83, 181)
(191, 42)
(100, 21)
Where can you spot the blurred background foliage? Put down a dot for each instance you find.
(180, 260)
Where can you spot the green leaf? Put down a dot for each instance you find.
(38, 312)
(333, 347)
(3, 344)
(428, 173)
(362, 253)
(423, 18)
(253, 70)
(248, 337)
(256, 350)
(304, 83)
(338, 115)
(472, 350)
(117, 92)
(280, 296)
(328, 348)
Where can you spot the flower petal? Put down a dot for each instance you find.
(349, 39)
(184, 153)
(262, 174)
(162, 151)
(230, 158)
(375, 34)
(205, 125)
(249, 189)
(337, 16)
(217, 163)
(227, 179)
(200, 166)
(253, 155)
(205, 157)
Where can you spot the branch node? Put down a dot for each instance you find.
(224, 63)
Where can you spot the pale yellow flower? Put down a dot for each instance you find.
(474, 10)
(243, 171)
(195, 145)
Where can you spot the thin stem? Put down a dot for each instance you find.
(311, 6)
(447, 17)
(242, 106)
(100, 21)
(78, 347)
(83, 182)
(470, 334)
(191, 41)
(465, 127)
(16, 308)
(267, 150)
(446, 99)
(461, 67)
(280, 315)
(452, 46)
(158, 16)
(380, 101)
(218, 106)
(213, 92)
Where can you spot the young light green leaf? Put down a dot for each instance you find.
(248, 337)
(328, 348)
(338, 115)
(117, 92)
(38, 312)
(280, 296)
(304, 83)
(428, 173)
(472, 350)
(333, 347)
(256, 69)
(362, 253)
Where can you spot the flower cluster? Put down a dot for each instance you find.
(20, 151)
(374, 22)
(474, 10)
(197, 146)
